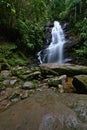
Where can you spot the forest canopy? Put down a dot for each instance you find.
(22, 21)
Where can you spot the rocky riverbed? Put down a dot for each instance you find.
(43, 97)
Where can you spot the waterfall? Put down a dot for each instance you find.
(54, 52)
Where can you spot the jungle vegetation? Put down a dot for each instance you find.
(22, 22)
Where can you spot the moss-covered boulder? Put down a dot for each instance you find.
(47, 72)
(54, 82)
(80, 83)
(68, 69)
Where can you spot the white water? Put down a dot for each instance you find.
(55, 49)
(54, 52)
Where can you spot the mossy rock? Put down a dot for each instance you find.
(80, 83)
(54, 82)
(47, 71)
(68, 69)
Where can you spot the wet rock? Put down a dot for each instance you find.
(45, 72)
(48, 28)
(47, 111)
(28, 85)
(63, 78)
(68, 69)
(81, 109)
(80, 83)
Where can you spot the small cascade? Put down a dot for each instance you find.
(54, 52)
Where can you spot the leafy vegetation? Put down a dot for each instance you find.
(22, 22)
(10, 56)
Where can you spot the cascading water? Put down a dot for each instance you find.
(54, 52)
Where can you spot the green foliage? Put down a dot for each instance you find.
(2, 87)
(81, 28)
(6, 50)
(10, 56)
(54, 83)
(28, 18)
(1, 78)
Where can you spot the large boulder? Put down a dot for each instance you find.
(47, 111)
(80, 83)
(68, 69)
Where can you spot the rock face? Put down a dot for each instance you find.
(80, 83)
(47, 111)
(68, 69)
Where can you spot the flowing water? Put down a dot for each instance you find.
(54, 52)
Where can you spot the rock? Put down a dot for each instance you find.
(6, 82)
(63, 78)
(4, 105)
(13, 81)
(31, 75)
(61, 89)
(43, 87)
(68, 69)
(47, 111)
(28, 85)
(5, 73)
(81, 110)
(9, 82)
(24, 95)
(80, 83)
(34, 75)
(45, 72)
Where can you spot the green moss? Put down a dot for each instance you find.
(54, 83)
(1, 77)
(46, 71)
(11, 56)
(6, 49)
(36, 82)
(17, 72)
(1, 87)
